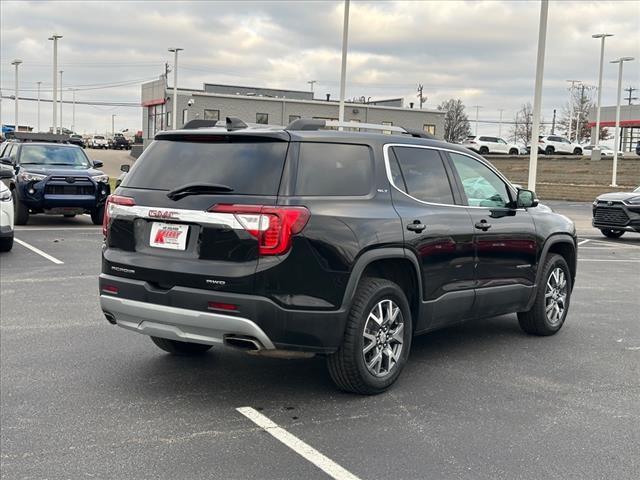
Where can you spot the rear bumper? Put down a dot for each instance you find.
(183, 313)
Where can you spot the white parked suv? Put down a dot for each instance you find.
(484, 144)
(6, 212)
(552, 144)
(98, 141)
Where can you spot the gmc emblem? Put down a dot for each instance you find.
(163, 214)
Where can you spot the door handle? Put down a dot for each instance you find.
(417, 226)
(483, 225)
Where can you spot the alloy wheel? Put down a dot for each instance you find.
(556, 296)
(383, 338)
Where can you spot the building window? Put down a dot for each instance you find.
(262, 118)
(211, 114)
(387, 132)
(155, 120)
(168, 119)
(293, 118)
(185, 116)
(429, 128)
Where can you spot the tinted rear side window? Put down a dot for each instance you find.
(249, 168)
(331, 169)
(424, 174)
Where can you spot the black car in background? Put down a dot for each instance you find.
(54, 177)
(297, 241)
(76, 139)
(617, 213)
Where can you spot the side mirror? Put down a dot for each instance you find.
(6, 173)
(125, 168)
(97, 164)
(526, 199)
(6, 161)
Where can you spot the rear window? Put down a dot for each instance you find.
(249, 168)
(98, 137)
(331, 169)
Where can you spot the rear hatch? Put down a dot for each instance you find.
(191, 210)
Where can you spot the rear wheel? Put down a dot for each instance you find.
(610, 233)
(377, 339)
(6, 243)
(551, 305)
(20, 211)
(483, 150)
(549, 151)
(180, 348)
(97, 215)
(513, 151)
(577, 151)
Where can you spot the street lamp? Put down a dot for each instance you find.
(38, 123)
(55, 37)
(73, 111)
(500, 123)
(113, 131)
(16, 62)
(478, 107)
(595, 153)
(61, 100)
(175, 51)
(343, 67)
(616, 136)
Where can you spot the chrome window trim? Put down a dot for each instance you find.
(387, 146)
(181, 215)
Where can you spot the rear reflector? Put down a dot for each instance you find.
(110, 289)
(272, 226)
(222, 306)
(114, 200)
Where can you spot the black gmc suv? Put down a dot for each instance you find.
(297, 241)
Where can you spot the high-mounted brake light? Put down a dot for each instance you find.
(273, 227)
(114, 200)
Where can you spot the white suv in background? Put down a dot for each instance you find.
(551, 144)
(6, 213)
(484, 144)
(98, 141)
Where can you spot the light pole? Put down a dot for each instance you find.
(38, 123)
(55, 37)
(616, 135)
(500, 124)
(61, 100)
(16, 63)
(478, 107)
(572, 82)
(537, 96)
(113, 131)
(595, 153)
(73, 111)
(311, 83)
(175, 51)
(343, 68)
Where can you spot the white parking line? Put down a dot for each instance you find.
(56, 229)
(306, 451)
(38, 251)
(583, 242)
(606, 260)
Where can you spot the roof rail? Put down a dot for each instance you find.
(317, 124)
(38, 137)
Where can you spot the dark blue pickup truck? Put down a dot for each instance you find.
(54, 177)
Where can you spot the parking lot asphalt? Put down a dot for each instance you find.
(82, 398)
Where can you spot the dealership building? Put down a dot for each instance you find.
(629, 124)
(272, 107)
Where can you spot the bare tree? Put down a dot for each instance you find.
(583, 102)
(523, 124)
(456, 122)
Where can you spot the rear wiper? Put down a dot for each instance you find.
(198, 189)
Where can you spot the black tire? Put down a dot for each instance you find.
(577, 151)
(483, 150)
(186, 349)
(514, 151)
(6, 243)
(536, 321)
(549, 151)
(347, 366)
(97, 215)
(610, 233)
(20, 211)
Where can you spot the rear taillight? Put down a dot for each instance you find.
(273, 227)
(114, 200)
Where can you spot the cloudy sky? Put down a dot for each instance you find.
(482, 52)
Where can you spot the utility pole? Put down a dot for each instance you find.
(580, 113)
(553, 123)
(38, 123)
(478, 107)
(61, 100)
(73, 111)
(113, 130)
(55, 37)
(500, 123)
(311, 83)
(537, 96)
(595, 153)
(573, 83)
(420, 96)
(343, 68)
(16, 63)
(175, 51)
(629, 98)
